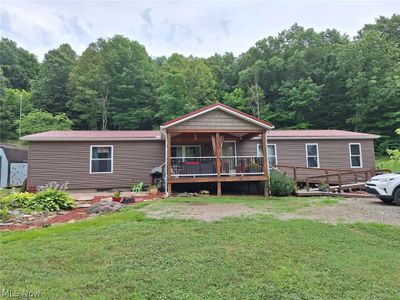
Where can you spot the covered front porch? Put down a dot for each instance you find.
(207, 146)
(214, 156)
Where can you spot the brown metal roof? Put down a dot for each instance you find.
(319, 134)
(14, 153)
(126, 135)
(94, 135)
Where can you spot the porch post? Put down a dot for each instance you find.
(169, 167)
(265, 163)
(218, 162)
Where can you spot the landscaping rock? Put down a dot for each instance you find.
(104, 206)
(183, 195)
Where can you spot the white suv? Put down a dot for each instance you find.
(386, 187)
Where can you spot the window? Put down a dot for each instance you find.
(355, 155)
(101, 159)
(312, 155)
(271, 153)
(186, 151)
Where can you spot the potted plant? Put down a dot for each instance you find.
(153, 190)
(252, 168)
(117, 197)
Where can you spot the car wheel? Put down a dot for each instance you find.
(396, 196)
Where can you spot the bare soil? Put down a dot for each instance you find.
(200, 211)
(350, 210)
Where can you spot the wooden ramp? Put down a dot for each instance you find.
(316, 193)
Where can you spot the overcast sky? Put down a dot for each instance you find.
(201, 28)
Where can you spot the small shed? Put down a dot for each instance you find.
(13, 165)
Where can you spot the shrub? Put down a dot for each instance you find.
(280, 185)
(51, 200)
(16, 200)
(4, 214)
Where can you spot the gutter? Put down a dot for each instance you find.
(163, 132)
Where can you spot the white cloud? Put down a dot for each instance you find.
(198, 28)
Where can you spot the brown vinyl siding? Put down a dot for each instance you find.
(332, 153)
(217, 120)
(70, 161)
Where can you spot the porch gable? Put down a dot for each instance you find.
(217, 117)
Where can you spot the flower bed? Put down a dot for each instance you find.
(45, 219)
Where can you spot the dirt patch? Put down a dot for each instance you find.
(199, 211)
(350, 210)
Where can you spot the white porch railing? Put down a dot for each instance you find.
(206, 166)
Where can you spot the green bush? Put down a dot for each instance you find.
(4, 214)
(16, 200)
(51, 200)
(280, 185)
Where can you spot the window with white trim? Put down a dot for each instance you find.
(312, 155)
(101, 159)
(355, 155)
(186, 151)
(271, 153)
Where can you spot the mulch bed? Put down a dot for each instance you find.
(75, 214)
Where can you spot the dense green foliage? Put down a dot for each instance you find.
(51, 200)
(300, 78)
(18, 65)
(16, 200)
(280, 185)
(39, 121)
(126, 255)
(46, 200)
(49, 89)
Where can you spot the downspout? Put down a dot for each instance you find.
(165, 162)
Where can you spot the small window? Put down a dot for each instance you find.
(312, 155)
(355, 155)
(271, 154)
(186, 151)
(101, 159)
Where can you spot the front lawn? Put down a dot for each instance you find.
(126, 255)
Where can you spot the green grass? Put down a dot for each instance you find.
(386, 163)
(128, 256)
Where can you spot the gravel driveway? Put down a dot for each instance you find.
(350, 210)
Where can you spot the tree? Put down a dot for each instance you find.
(224, 69)
(371, 66)
(185, 84)
(40, 121)
(19, 66)
(49, 91)
(299, 100)
(387, 27)
(116, 76)
(90, 86)
(394, 153)
(10, 109)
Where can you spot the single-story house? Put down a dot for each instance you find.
(13, 165)
(215, 144)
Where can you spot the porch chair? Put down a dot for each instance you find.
(137, 187)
